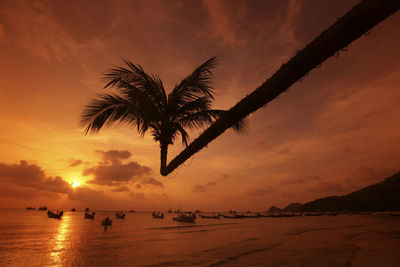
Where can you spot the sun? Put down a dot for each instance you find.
(75, 184)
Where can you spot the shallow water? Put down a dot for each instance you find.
(29, 238)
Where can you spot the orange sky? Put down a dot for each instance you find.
(336, 131)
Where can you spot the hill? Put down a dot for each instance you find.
(383, 196)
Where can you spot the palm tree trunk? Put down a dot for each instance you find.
(164, 153)
(360, 19)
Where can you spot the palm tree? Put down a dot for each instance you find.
(359, 20)
(140, 100)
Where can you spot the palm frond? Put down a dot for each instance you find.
(105, 110)
(195, 85)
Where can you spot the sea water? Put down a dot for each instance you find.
(29, 238)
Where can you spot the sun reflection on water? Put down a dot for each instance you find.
(58, 244)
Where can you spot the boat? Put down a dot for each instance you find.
(158, 215)
(120, 215)
(73, 209)
(210, 217)
(42, 208)
(185, 218)
(30, 208)
(234, 216)
(57, 215)
(89, 215)
(106, 222)
(394, 214)
(262, 215)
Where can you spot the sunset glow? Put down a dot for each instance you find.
(331, 133)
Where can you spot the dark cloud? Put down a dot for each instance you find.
(111, 171)
(152, 181)
(259, 191)
(300, 180)
(203, 188)
(198, 188)
(284, 152)
(121, 189)
(114, 155)
(75, 162)
(32, 176)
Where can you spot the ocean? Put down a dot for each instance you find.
(29, 238)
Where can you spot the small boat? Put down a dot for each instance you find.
(57, 215)
(185, 218)
(42, 208)
(106, 222)
(158, 215)
(234, 216)
(73, 209)
(30, 208)
(89, 216)
(262, 215)
(210, 217)
(120, 215)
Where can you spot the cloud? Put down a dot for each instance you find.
(114, 155)
(300, 180)
(198, 188)
(203, 188)
(32, 176)
(75, 162)
(259, 191)
(121, 189)
(111, 171)
(152, 181)
(2, 34)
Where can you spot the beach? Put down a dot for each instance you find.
(29, 238)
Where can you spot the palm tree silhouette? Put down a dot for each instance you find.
(141, 100)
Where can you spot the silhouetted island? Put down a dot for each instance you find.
(383, 196)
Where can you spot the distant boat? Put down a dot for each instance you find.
(73, 209)
(185, 218)
(210, 217)
(30, 208)
(120, 215)
(42, 208)
(57, 215)
(89, 216)
(234, 216)
(394, 214)
(106, 222)
(158, 215)
(262, 215)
